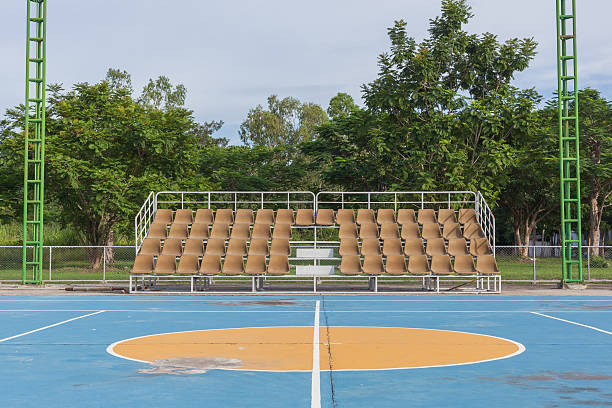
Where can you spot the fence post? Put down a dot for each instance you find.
(588, 263)
(104, 265)
(534, 264)
(50, 252)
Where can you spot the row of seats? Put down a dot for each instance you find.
(411, 231)
(394, 247)
(211, 265)
(324, 217)
(279, 265)
(214, 246)
(202, 231)
(418, 265)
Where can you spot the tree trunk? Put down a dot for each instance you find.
(595, 231)
(110, 253)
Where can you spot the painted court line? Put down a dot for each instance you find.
(315, 401)
(569, 321)
(368, 298)
(301, 311)
(51, 325)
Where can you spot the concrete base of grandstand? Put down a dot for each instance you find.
(206, 284)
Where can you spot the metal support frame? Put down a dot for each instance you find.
(569, 141)
(34, 150)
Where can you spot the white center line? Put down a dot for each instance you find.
(569, 321)
(315, 401)
(51, 325)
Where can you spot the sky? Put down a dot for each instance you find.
(231, 55)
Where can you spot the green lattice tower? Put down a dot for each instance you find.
(34, 166)
(569, 141)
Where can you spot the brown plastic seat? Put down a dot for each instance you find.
(194, 246)
(163, 216)
(345, 216)
(396, 265)
(389, 231)
(446, 216)
(215, 246)
(165, 265)
(281, 231)
(285, 216)
(347, 231)
(435, 247)
(199, 231)
(278, 265)
(188, 265)
(349, 246)
(487, 265)
(370, 247)
(325, 216)
(261, 231)
(256, 265)
(457, 247)
(431, 231)
(418, 265)
(414, 247)
(373, 265)
(180, 231)
(183, 216)
(224, 216)
(244, 216)
(173, 247)
(452, 230)
(233, 265)
(411, 231)
(143, 265)
(150, 246)
(427, 216)
(220, 230)
(211, 265)
(467, 216)
(265, 216)
(392, 247)
(367, 231)
(464, 265)
(236, 247)
(259, 247)
(406, 216)
(280, 247)
(385, 216)
(305, 217)
(480, 246)
(204, 216)
(441, 265)
(241, 231)
(350, 265)
(365, 216)
(473, 231)
(159, 231)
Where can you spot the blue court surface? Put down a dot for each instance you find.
(53, 352)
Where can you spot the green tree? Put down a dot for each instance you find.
(285, 122)
(107, 150)
(341, 105)
(439, 116)
(596, 159)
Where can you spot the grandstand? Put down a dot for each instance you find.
(330, 237)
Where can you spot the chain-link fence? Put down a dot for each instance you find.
(72, 263)
(98, 264)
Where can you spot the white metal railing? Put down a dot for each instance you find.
(485, 217)
(399, 199)
(143, 220)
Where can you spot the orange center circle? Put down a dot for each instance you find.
(291, 348)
